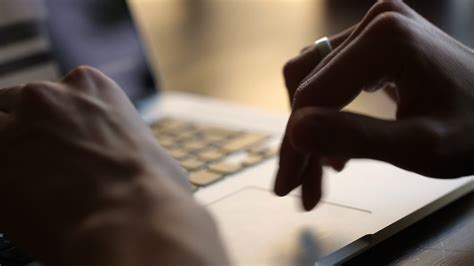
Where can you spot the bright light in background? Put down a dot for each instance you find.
(235, 49)
(232, 49)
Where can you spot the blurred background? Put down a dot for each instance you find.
(235, 49)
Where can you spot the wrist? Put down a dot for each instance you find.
(151, 228)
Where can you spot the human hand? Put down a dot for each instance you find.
(432, 76)
(84, 181)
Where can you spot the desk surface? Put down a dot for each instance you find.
(235, 50)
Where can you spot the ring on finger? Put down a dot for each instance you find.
(324, 46)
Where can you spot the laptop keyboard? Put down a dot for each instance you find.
(10, 255)
(211, 153)
(208, 153)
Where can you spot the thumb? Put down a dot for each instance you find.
(348, 135)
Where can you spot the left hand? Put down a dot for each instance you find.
(84, 181)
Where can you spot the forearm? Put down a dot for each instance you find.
(176, 237)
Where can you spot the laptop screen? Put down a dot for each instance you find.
(101, 34)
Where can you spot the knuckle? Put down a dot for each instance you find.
(391, 24)
(448, 152)
(35, 91)
(431, 154)
(434, 136)
(441, 153)
(83, 71)
(387, 5)
(288, 69)
(36, 96)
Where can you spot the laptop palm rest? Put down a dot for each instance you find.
(262, 229)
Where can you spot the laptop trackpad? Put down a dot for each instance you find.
(260, 228)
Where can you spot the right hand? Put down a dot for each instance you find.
(433, 77)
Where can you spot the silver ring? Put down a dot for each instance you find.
(324, 46)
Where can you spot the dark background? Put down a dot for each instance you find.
(456, 17)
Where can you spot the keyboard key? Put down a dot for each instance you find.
(179, 154)
(224, 168)
(252, 160)
(271, 152)
(169, 125)
(185, 135)
(242, 142)
(204, 178)
(211, 155)
(264, 150)
(212, 139)
(157, 131)
(218, 131)
(257, 149)
(192, 164)
(193, 146)
(167, 142)
(5, 243)
(15, 256)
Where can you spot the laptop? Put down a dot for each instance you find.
(230, 152)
